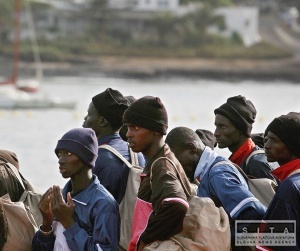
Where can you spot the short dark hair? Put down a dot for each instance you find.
(178, 137)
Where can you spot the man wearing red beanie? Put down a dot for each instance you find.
(162, 202)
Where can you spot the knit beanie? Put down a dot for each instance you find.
(207, 137)
(148, 112)
(131, 99)
(82, 142)
(111, 104)
(287, 129)
(240, 112)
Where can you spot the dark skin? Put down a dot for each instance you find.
(146, 141)
(97, 122)
(227, 135)
(52, 202)
(143, 140)
(276, 150)
(188, 150)
(189, 157)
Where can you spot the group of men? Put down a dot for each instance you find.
(85, 216)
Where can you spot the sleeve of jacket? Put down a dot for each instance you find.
(234, 195)
(105, 232)
(281, 209)
(42, 243)
(169, 204)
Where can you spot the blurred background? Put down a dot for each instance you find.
(115, 36)
(194, 54)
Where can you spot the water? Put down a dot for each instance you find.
(33, 134)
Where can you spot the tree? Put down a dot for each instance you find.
(197, 23)
(164, 24)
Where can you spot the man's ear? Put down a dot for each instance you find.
(191, 147)
(103, 121)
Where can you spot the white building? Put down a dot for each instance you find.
(241, 20)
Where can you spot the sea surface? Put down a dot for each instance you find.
(33, 134)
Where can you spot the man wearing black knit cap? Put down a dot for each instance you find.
(207, 137)
(233, 121)
(162, 200)
(104, 116)
(283, 146)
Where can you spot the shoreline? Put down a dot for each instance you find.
(286, 69)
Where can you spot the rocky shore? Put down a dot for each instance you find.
(277, 69)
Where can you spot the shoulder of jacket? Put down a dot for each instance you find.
(163, 164)
(222, 167)
(253, 154)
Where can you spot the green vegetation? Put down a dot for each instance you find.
(163, 35)
(77, 52)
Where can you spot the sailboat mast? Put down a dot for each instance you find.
(34, 43)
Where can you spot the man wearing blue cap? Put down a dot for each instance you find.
(84, 215)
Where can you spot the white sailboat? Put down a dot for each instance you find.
(18, 93)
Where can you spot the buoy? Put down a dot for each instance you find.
(193, 118)
(175, 118)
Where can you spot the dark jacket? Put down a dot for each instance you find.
(110, 170)
(258, 166)
(285, 206)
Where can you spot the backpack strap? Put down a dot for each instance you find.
(115, 152)
(16, 172)
(236, 166)
(134, 157)
(255, 152)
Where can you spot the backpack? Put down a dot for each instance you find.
(19, 220)
(262, 188)
(126, 207)
(205, 226)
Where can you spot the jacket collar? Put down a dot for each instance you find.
(108, 138)
(85, 195)
(164, 151)
(207, 158)
(243, 152)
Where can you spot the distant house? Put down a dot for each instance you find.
(65, 19)
(241, 20)
(290, 18)
(56, 19)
